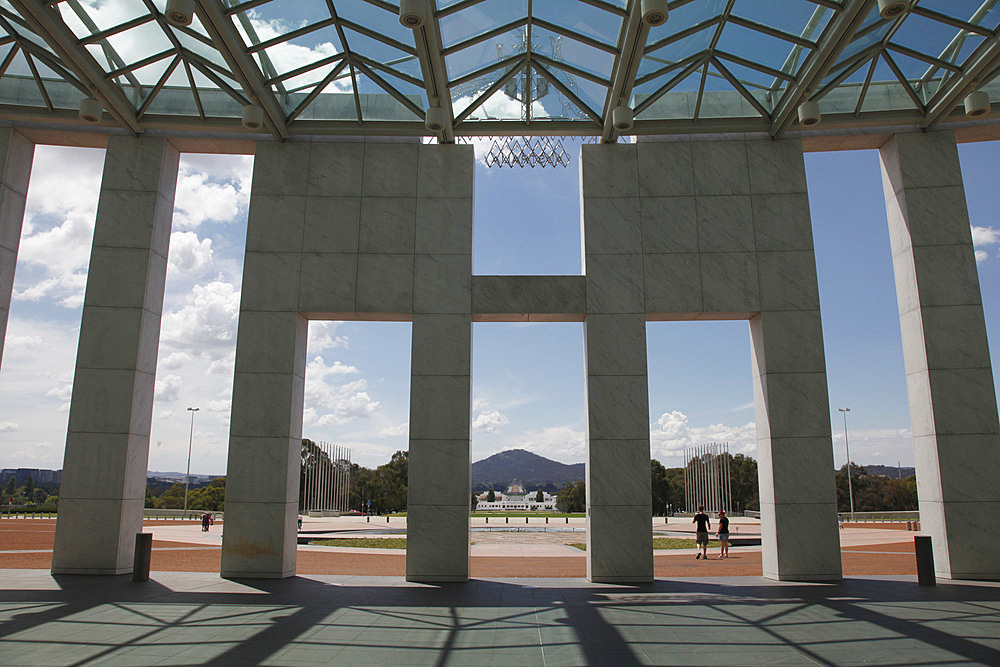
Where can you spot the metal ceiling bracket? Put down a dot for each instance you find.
(984, 61)
(429, 51)
(631, 44)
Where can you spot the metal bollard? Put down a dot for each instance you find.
(525, 520)
(925, 560)
(143, 554)
(546, 519)
(387, 519)
(506, 519)
(487, 519)
(567, 519)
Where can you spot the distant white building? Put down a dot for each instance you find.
(515, 498)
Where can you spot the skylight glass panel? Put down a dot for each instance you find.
(375, 18)
(795, 17)
(678, 102)
(480, 18)
(755, 46)
(99, 15)
(581, 18)
(972, 11)
(925, 35)
(590, 93)
(373, 48)
(377, 104)
(463, 95)
(477, 56)
(677, 51)
(578, 54)
(683, 17)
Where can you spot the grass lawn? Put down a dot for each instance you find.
(518, 515)
(365, 542)
(663, 543)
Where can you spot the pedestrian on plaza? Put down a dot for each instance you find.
(701, 532)
(840, 520)
(206, 521)
(723, 535)
(300, 522)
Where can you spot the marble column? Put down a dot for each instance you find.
(265, 432)
(953, 410)
(439, 486)
(799, 534)
(16, 154)
(619, 514)
(107, 444)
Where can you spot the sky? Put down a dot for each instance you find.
(528, 379)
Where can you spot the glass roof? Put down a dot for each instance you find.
(495, 66)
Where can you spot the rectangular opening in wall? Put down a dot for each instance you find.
(43, 324)
(201, 306)
(527, 219)
(528, 431)
(356, 409)
(700, 394)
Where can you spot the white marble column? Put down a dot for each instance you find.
(107, 444)
(619, 513)
(16, 154)
(439, 486)
(953, 410)
(265, 432)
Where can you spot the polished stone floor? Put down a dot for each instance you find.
(195, 618)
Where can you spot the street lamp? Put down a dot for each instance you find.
(850, 486)
(187, 475)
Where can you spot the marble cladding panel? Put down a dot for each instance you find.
(385, 284)
(259, 540)
(118, 277)
(795, 470)
(11, 218)
(140, 163)
(445, 170)
(946, 275)
(270, 281)
(16, 155)
(439, 407)
(964, 401)
(529, 294)
(905, 278)
(442, 284)
(439, 473)
(665, 168)
(720, 167)
(442, 345)
(788, 280)
(614, 284)
(609, 170)
(388, 225)
(281, 168)
(788, 341)
(802, 542)
(332, 224)
(263, 470)
(328, 282)
(89, 537)
(617, 407)
(776, 166)
(271, 342)
(437, 545)
(444, 226)
(971, 553)
(669, 224)
(105, 465)
(112, 339)
(729, 282)
(953, 337)
(611, 225)
(389, 170)
(782, 222)
(127, 219)
(267, 405)
(275, 223)
(725, 224)
(619, 543)
(335, 168)
(797, 405)
(102, 400)
(944, 459)
(616, 344)
(930, 216)
(617, 472)
(921, 160)
(918, 390)
(673, 283)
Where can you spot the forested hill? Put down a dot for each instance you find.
(532, 470)
(889, 471)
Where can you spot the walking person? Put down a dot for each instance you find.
(701, 532)
(206, 521)
(723, 535)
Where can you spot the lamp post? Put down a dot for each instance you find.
(850, 485)
(187, 475)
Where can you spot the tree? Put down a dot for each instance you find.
(10, 488)
(539, 497)
(29, 488)
(491, 497)
(572, 498)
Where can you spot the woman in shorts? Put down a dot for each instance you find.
(723, 535)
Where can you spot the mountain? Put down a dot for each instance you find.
(532, 470)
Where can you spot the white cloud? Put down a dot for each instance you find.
(330, 403)
(206, 324)
(174, 361)
(322, 337)
(9, 427)
(168, 388)
(671, 434)
(559, 443)
(24, 342)
(287, 56)
(985, 235)
(490, 422)
(188, 254)
(199, 198)
(981, 256)
(395, 431)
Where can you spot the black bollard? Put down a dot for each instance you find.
(387, 519)
(487, 519)
(546, 519)
(506, 519)
(925, 560)
(567, 519)
(525, 520)
(368, 519)
(143, 553)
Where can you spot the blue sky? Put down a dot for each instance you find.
(528, 379)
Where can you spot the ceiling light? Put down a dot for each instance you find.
(435, 120)
(809, 113)
(180, 12)
(654, 12)
(621, 118)
(977, 104)
(412, 13)
(890, 9)
(90, 110)
(253, 117)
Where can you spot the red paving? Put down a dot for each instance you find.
(37, 534)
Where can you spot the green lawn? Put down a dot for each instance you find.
(663, 543)
(364, 542)
(517, 515)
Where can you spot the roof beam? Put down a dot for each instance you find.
(230, 46)
(836, 38)
(984, 60)
(47, 23)
(429, 51)
(631, 44)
